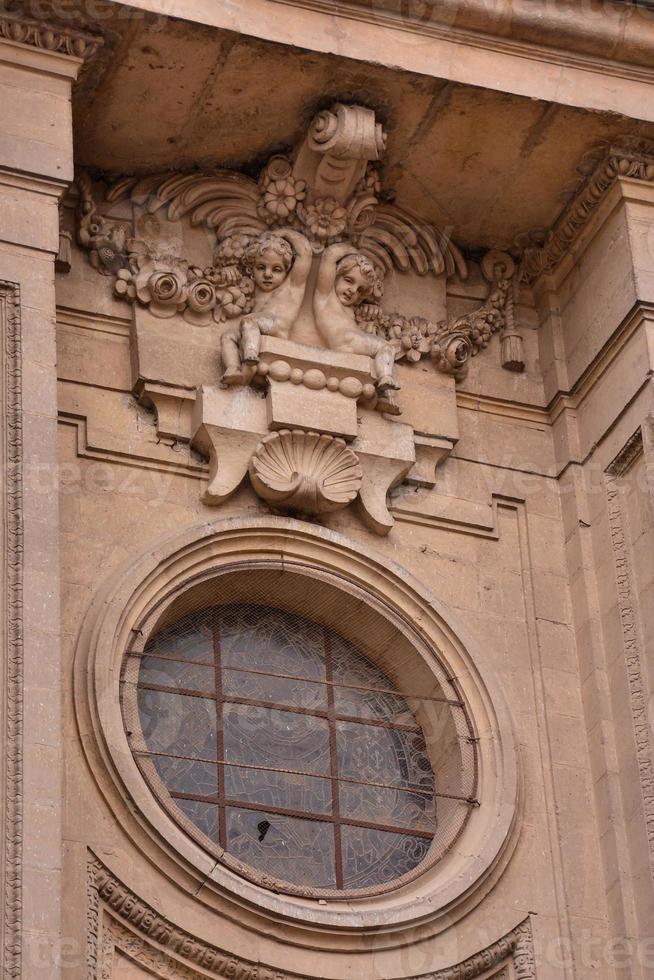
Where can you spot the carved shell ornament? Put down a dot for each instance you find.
(305, 472)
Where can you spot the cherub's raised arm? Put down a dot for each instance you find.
(330, 259)
(303, 254)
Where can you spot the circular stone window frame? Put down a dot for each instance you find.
(131, 596)
(429, 658)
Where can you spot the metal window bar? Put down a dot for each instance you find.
(415, 790)
(306, 815)
(188, 692)
(453, 702)
(330, 715)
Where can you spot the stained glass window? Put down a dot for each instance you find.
(289, 749)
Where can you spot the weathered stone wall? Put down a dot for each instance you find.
(528, 516)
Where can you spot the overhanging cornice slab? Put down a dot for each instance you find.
(495, 55)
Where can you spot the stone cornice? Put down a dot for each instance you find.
(126, 907)
(633, 159)
(619, 42)
(46, 37)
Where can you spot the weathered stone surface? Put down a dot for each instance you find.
(336, 226)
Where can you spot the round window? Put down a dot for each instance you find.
(309, 758)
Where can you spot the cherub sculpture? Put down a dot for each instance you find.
(346, 279)
(279, 264)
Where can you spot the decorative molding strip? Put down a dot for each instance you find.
(116, 938)
(10, 318)
(49, 38)
(516, 948)
(166, 950)
(103, 888)
(188, 466)
(628, 455)
(520, 411)
(633, 158)
(99, 322)
(627, 608)
(639, 317)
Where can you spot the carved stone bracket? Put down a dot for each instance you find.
(227, 427)
(231, 321)
(308, 450)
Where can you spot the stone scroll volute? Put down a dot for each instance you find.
(259, 308)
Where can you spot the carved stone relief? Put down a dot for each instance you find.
(599, 169)
(314, 236)
(120, 921)
(305, 471)
(634, 654)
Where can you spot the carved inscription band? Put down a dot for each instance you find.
(132, 922)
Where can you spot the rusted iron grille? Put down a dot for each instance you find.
(336, 818)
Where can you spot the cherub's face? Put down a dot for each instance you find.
(269, 271)
(351, 287)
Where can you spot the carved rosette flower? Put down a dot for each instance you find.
(452, 353)
(411, 335)
(305, 472)
(166, 292)
(281, 192)
(201, 300)
(362, 212)
(158, 281)
(325, 219)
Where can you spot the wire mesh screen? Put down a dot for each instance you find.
(295, 750)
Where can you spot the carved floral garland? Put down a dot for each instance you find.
(340, 155)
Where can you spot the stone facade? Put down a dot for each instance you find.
(356, 294)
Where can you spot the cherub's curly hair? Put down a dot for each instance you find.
(375, 285)
(268, 242)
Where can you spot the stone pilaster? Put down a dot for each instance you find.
(37, 68)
